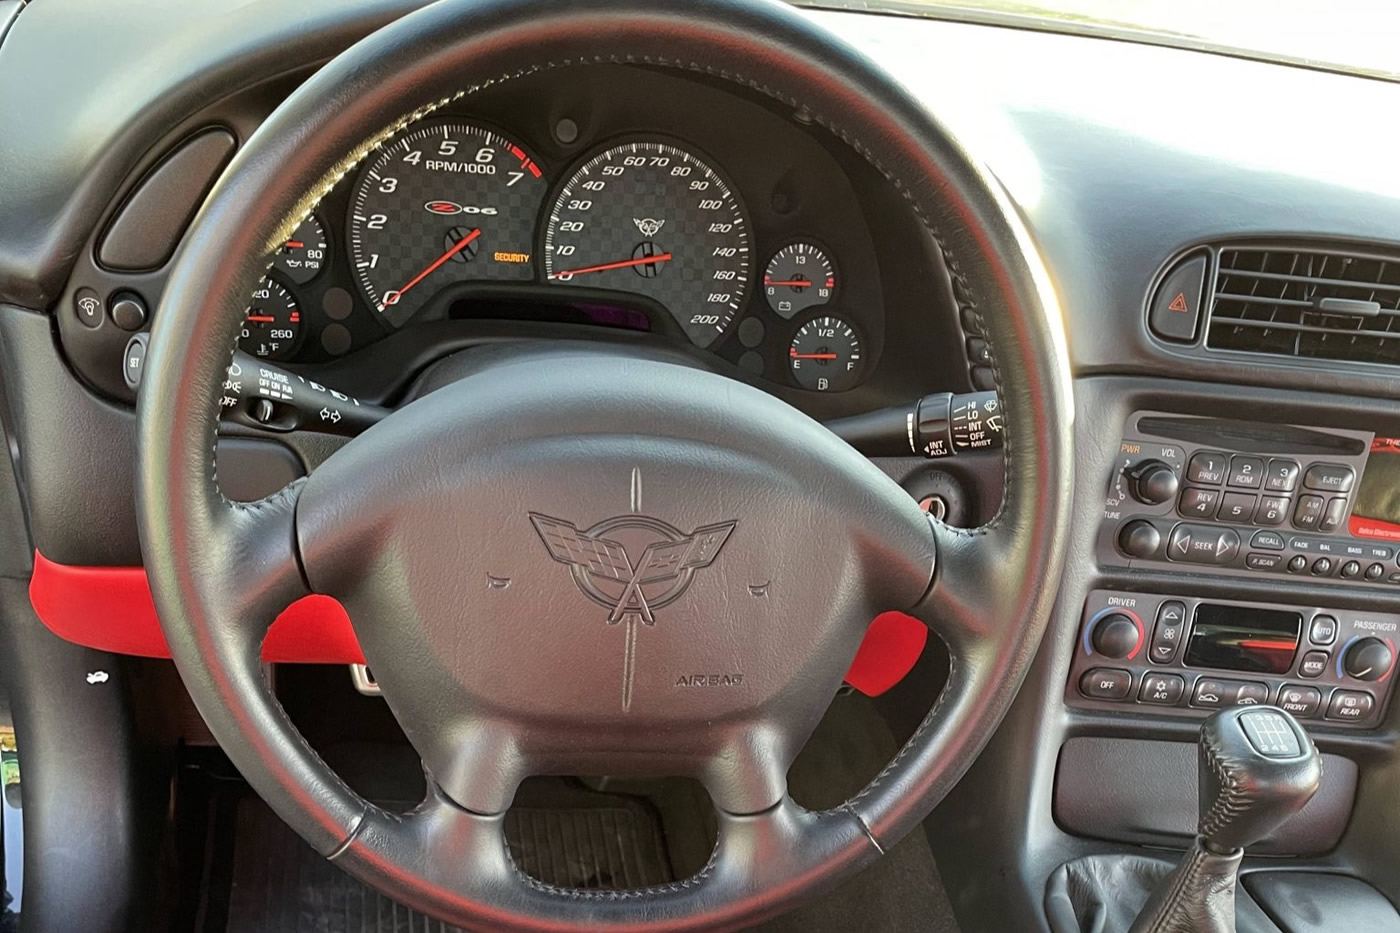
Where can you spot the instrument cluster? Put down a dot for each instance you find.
(720, 225)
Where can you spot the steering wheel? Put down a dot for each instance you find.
(510, 544)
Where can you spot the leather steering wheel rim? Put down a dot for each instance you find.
(221, 571)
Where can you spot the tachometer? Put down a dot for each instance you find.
(448, 202)
(653, 219)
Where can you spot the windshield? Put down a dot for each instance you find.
(1357, 36)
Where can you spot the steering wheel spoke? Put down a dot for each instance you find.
(258, 547)
(963, 606)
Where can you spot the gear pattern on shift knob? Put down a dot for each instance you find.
(1258, 768)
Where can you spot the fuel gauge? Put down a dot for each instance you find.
(825, 355)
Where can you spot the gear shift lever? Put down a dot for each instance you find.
(1257, 768)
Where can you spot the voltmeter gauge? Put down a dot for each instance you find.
(825, 355)
(302, 257)
(798, 277)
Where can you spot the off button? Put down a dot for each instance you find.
(1105, 684)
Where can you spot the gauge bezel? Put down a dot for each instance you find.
(549, 217)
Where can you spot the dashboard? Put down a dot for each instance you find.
(654, 206)
(623, 203)
(617, 203)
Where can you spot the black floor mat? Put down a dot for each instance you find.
(590, 840)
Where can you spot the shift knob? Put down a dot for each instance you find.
(1258, 768)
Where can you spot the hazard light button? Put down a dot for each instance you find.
(1176, 308)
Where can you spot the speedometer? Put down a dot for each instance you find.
(653, 219)
(448, 202)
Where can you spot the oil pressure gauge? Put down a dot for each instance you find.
(825, 355)
(302, 256)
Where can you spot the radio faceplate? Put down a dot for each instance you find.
(1188, 657)
(1217, 496)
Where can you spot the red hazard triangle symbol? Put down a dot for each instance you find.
(1178, 303)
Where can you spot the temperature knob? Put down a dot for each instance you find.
(1116, 635)
(1152, 482)
(1368, 659)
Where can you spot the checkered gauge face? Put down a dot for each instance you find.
(448, 202)
(650, 218)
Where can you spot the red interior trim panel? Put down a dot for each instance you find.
(110, 608)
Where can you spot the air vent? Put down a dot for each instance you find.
(1313, 303)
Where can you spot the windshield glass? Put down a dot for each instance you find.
(1357, 36)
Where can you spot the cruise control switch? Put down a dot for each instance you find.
(936, 426)
(258, 394)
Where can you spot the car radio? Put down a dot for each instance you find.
(1188, 657)
(1220, 496)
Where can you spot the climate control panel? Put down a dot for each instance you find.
(1187, 657)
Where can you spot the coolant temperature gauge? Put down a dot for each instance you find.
(825, 355)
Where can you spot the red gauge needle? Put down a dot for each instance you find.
(624, 264)
(795, 283)
(456, 248)
(811, 356)
(262, 319)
